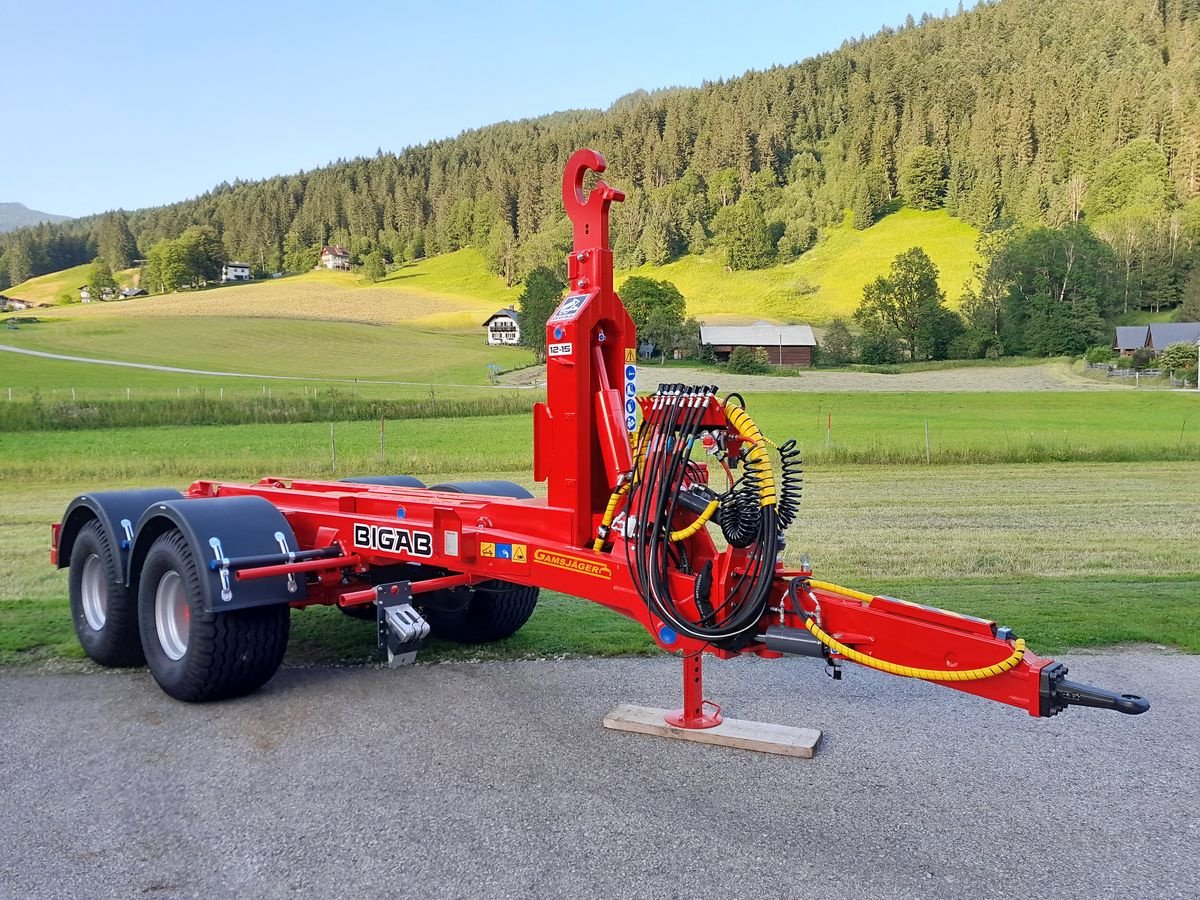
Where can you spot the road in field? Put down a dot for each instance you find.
(497, 780)
(176, 370)
(1047, 377)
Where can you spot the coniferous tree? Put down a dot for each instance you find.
(923, 179)
(115, 243)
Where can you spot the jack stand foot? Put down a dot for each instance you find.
(693, 714)
(694, 723)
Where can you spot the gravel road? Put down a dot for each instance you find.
(497, 780)
(1055, 376)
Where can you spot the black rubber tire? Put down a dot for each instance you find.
(484, 488)
(228, 654)
(388, 480)
(116, 643)
(497, 610)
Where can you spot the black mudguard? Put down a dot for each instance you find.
(118, 513)
(228, 527)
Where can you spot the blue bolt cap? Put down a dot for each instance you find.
(667, 635)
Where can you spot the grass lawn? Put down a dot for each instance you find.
(826, 281)
(867, 428)
(287, 347)
(1069, 555)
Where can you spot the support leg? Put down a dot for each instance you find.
(693, 714)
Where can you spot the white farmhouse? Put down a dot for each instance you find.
(504, 327)
(335, 257)
(235, 271)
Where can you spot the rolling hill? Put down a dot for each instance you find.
(456, 291)
(54, 287)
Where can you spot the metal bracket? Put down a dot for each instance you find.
(127, 526)
(402, 630)
(223, 570)
(283, 548)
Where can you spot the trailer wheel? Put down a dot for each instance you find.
(407, 481)
(496, 610)
(196, 655)
(103, 611)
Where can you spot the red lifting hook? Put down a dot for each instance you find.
(590, 215)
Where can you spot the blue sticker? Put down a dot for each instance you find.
(630, 389)
(569, 308)
(630, 423)
(504, 551)
(630, 373)
(401, 512)
(631, 406)
(558, 332)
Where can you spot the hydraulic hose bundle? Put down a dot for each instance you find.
(752, 514)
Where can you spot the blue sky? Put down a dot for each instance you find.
(125, 104)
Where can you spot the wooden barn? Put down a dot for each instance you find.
(785, 345)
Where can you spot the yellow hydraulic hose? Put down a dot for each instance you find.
(909, 671)
(895, 668)
(686, 532)
(757, 454)
(609, 513)
(838, 589)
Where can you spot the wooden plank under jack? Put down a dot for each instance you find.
(763, 737)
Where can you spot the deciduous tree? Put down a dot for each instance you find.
(539, 298)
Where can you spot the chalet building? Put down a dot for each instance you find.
(784, 345)
(1156, 337)
(235, 271)
(1129, 338)
(126, 293)
(504, 327)
(1164, 334)
(85, 294)
(334, 257)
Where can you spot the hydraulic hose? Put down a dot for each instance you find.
(684, 533)
(609, 513)
(756, 456)
(910, 671)
(890, 667)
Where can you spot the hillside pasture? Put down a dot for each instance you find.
(52, 287)
(456, 291)
(826, 281)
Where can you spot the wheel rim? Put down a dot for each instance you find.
(172, 615)
(94, 588)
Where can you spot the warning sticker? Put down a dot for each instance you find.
(496, 550)
(560, 349)
(631, 355)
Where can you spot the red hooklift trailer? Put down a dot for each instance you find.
(200, 585)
